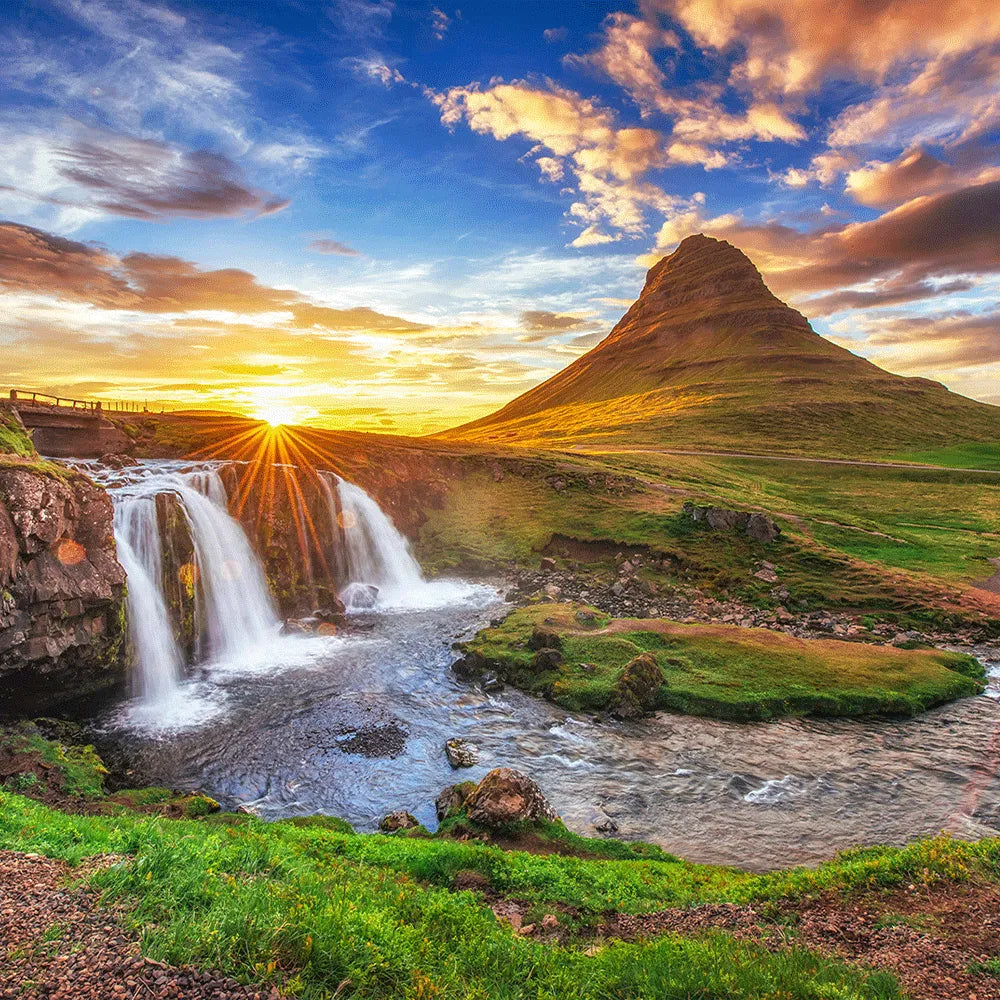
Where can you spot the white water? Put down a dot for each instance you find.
(378, 555)
(234, 613)
(137, 534)
(237, 629)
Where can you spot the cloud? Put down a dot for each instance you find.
(892, 293)
(954, 234)
(574, 136)
(149, 96)
(84, 174)
(39, 263)
(541, 325)
(362, 18)
(333, 247)
(962, 344)
(440, 22)
(150, 180)
(538, 320)
(627, 56)
(792, 48)
(553, 35)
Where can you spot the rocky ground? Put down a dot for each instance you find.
(628, 596)
(937, 939)
(57, 943)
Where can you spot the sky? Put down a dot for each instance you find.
(393, 215)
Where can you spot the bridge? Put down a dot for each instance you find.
(71, 428)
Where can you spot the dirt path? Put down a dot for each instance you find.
(780, 458)
(992, 583)
(56, 943)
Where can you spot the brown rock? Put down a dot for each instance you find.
(400, 820)
(507, 796)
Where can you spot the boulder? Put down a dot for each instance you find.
(461, 753)
(547, 565)
(637, 688)
(452, 800)
(359, 596)
(544, 638)
(756, 526)
(546, 659)
(761, 528)
(399, 820)
(507, 796)
(114, 460)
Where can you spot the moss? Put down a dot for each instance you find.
(717, 670)
(14, 439)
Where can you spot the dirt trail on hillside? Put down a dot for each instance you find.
(57, 943)
(992, 583)
(870, 464)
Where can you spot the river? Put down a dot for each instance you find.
(354, 726)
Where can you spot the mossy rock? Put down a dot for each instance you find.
(545, 638)
(637, 689)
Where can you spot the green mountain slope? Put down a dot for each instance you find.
(708, 357)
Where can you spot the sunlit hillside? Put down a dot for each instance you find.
(708, 357)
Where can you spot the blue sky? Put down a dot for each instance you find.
(399, 215)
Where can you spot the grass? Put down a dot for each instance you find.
(14, 440)
(326, 913)
(965, 456)
(77, 768)
(720, 670)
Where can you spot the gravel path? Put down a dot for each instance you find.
(57, 943)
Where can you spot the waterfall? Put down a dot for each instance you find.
(233, 608)
(375, 553)
(158, 658)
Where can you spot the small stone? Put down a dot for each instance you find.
(399, 820)
(461, 753)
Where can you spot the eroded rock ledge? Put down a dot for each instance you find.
(62, 591)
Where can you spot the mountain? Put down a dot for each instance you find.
(707, 357)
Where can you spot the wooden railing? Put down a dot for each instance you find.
(90, 405)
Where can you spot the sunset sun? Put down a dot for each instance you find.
(276, 415)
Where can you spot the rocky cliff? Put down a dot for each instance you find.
(62, 591)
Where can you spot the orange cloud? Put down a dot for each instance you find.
(38, 262)
(790, 48)
(901, 252)
(576, 135)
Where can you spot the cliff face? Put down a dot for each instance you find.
(62, 591)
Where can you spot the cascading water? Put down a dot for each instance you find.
(234, 612)
(158, 658)
(378, 564)
(377, 554)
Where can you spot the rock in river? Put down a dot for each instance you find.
(461, 753)
(507, 796)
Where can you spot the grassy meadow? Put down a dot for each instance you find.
(327, 913)
(717, 670)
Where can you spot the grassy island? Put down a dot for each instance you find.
(585, 660)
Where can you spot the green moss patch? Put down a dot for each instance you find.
(717, 670)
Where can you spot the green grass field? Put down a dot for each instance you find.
(721, 670)
(326, 913)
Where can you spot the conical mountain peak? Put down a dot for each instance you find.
(708, 355)
(707, 267)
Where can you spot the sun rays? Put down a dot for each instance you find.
(276, 466)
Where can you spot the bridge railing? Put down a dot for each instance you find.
(91, 405)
